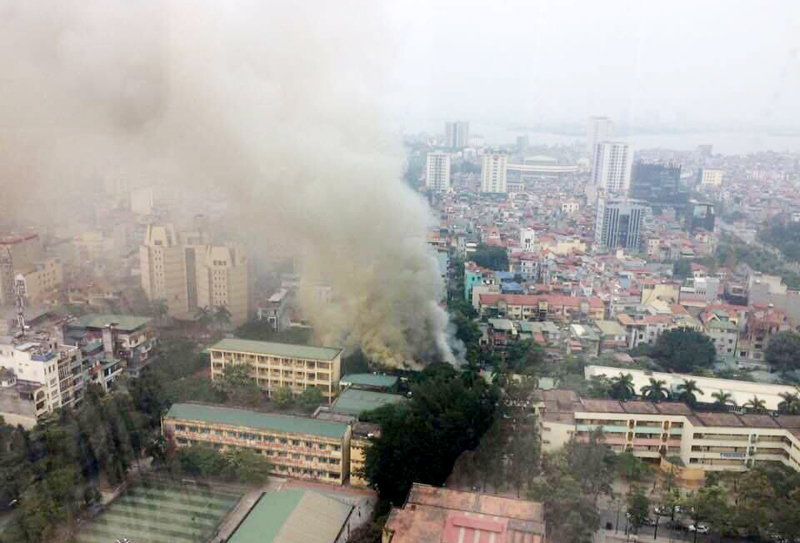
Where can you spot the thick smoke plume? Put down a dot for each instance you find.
(272, 102)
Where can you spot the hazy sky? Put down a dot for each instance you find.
(695, 63)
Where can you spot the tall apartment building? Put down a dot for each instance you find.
(295, 446)
(277, 365)
(493, 173)
(618, 224)
(652, 431)
(611, 167)
(711, 177)
(456, 134)
(163, 269)
(598, 129)
(190, 273)
(223, 280)
(25, 270)
(438, 171)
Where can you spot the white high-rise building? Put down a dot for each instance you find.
(611, 169)
(438, 171)
(618, 224)
(456, 134)
(599, 129)
(711, 177)
(493, 174)
(527, 239)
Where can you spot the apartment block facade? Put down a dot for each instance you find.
(189, 273)
(438, 171)
(295, 446)
(703, 440)
(277, 365)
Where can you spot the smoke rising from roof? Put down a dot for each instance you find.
(272, 102)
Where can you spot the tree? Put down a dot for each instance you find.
(783, 351)
(222, 316)
(656, 390)
(283, 397)
(524, 453)
(790, 404)
(159, 309)
(710, 505)
(524, 354)
(238, 386)
(310, 398)
(688, 391)
(421, 440)
(203, 316)
(491, 257)
(756, 405)
(622, 387)
(631, 467)
(682, 268)
(638, 508)
(571, 481)
(722, 400)
(683, 350)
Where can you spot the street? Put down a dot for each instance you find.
(646, 532)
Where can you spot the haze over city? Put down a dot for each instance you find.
(399, 272)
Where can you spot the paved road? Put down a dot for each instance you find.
(647, 532)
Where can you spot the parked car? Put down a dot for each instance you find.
(700, 528)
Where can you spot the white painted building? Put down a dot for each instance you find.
(598, 129)
(438, 171)
(527, 239)
(741, 391)
(612, 165)
(493, 174)
(711, 177)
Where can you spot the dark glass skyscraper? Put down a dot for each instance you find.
(657, 184)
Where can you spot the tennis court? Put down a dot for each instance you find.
(161, 512)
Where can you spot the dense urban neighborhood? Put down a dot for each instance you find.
(370, 272)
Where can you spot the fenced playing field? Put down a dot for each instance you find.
(161, 512)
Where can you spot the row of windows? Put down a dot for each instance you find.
(255, 437)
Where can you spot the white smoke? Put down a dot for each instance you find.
(273, 101)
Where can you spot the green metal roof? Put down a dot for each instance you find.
(257, 420)
(277, 349)
(370, 379)
(125, 323)
(354, 401)
(292, 516)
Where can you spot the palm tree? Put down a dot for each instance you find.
(688, 391)
(222, 316)
(790, 404)
(622, 387)
(722, 400)
(159, 309)
(203, 316)
(470, 373)
(655, 391)
(754, 404)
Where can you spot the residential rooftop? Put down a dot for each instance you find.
(123, 323)
(255, 419)
(287, 350)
